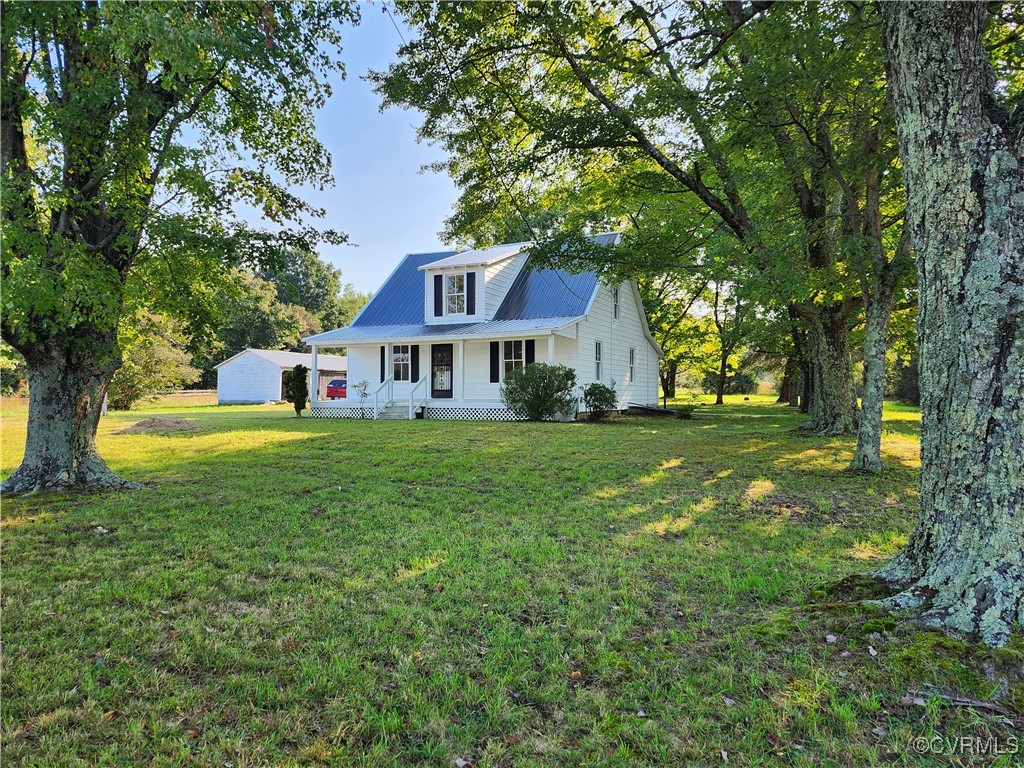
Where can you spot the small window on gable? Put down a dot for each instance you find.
(400, 360)
(597, 360)
(632, 364)
(455, 294)
(513, 355)
(615, 303)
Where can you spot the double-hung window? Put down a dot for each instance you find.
(400, 359)
(513, 355)
(455, 294)
(632, 364)
(597, 360)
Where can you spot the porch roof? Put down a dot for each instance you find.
(494, 329)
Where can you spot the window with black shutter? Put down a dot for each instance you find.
(438, 295)
(495, 361)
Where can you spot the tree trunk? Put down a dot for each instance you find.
(787, 382)
(66, 392)
(961, 157)
(723, 374)
(668, 373)
(868, 455)
(832, 407)
(806, 387)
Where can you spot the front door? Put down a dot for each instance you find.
(441, 369)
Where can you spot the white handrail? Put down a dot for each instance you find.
(388, 381)
(412, 403)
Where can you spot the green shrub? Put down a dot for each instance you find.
(685, 411)
(539, 392)
(600, 400)
(296, 387)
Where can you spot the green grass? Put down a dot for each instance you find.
(319, 592)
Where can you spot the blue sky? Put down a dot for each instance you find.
(379, 198)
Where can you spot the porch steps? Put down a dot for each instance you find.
(394, 412)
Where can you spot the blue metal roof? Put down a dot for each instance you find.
(551, 292)
(547, 293)
(400, 300)
(538, 300)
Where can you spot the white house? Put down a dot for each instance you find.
(255, 375)
(439, 336)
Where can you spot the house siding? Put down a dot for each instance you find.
(498, 278)
(248, 379)
(616, 337)
(429, 318)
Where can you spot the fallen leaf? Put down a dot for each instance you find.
(725, 756)
(575, 675)
(830, 639)
(728, 702)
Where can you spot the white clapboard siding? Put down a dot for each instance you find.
(498, 279)
(617, 337)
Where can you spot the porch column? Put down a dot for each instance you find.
(314, 379)
(462, 371)
(551, 349)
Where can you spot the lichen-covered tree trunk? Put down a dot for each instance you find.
(868, 454)
(962, 161)
(832, 407)
(66, 390)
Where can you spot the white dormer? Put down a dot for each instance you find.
(470, 286)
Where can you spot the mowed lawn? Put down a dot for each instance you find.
(319, 592)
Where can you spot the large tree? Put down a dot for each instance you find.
(772, 125)
(962, 143)
(129, 132)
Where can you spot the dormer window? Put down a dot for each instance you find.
(455, 294)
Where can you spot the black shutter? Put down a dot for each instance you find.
(531, 351)
(383, 363)
(414, 350)
(438, 295)
(471, 293)
(495, 360)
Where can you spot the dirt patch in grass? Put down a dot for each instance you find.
(160, 425)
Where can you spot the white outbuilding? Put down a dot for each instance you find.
(255, 375)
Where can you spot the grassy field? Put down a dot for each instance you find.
(320, 592)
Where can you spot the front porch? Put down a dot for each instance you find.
(436, 379)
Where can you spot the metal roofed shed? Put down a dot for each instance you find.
(254, 375)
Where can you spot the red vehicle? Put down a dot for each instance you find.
(337, 389)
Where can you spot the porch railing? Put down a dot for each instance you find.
(389, 384)
(413, 402)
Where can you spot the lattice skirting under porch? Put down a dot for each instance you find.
(329, 412)
(457, 413)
